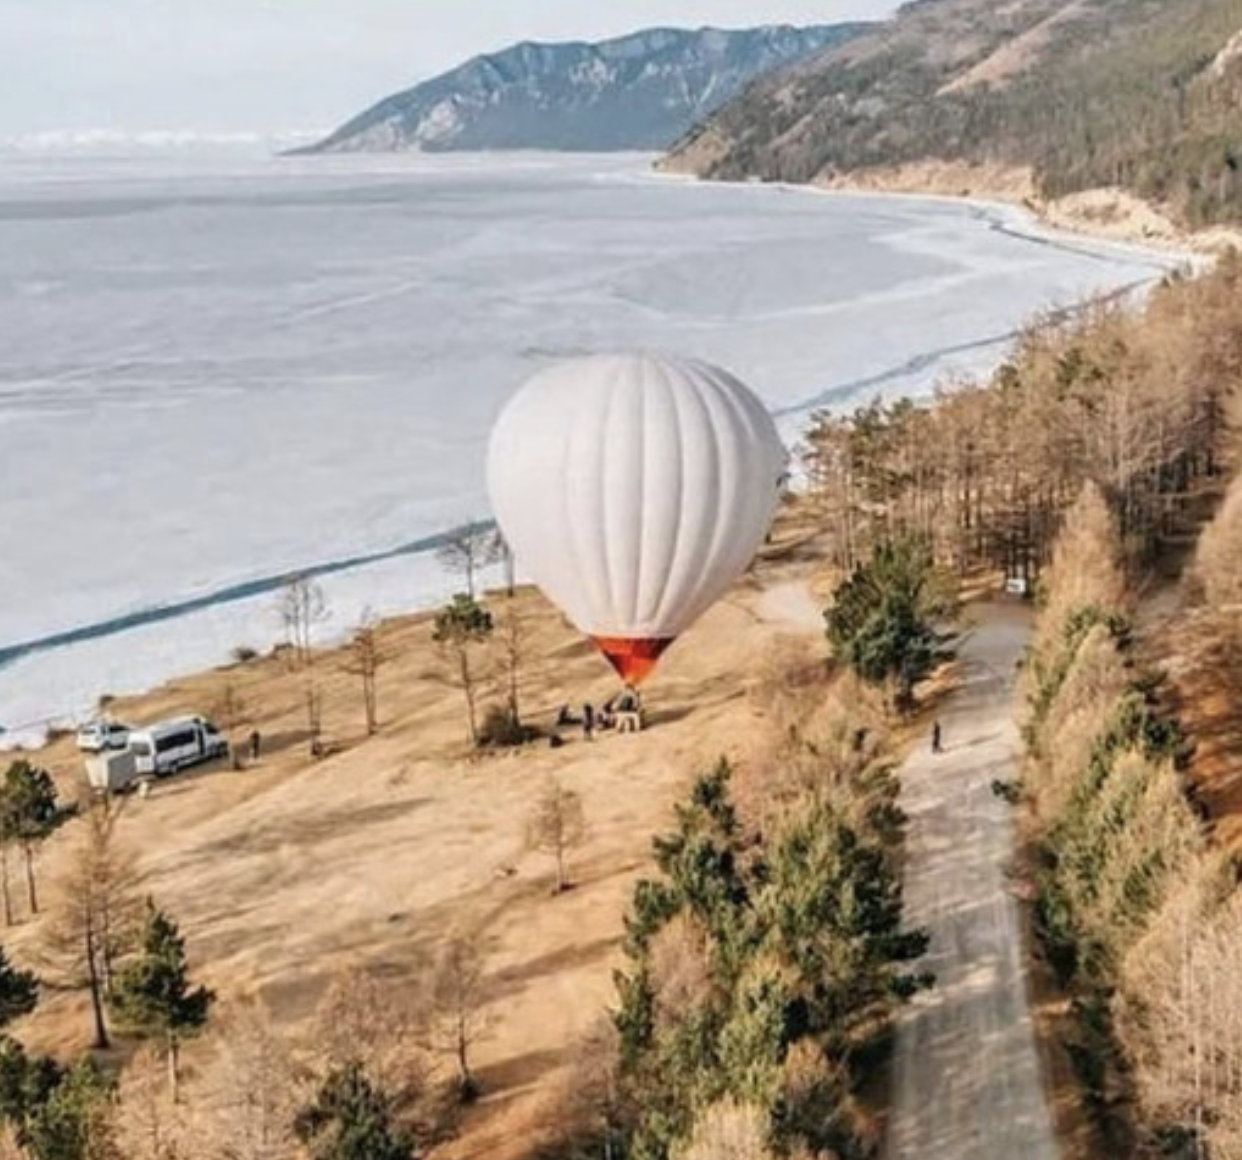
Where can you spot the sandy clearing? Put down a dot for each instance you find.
(967, 1077)
(286, 874)
(792, 607)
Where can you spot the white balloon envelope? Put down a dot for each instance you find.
(634, 490)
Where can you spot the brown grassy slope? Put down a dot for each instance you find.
(284, 875)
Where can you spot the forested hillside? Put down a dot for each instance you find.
(1138, 94)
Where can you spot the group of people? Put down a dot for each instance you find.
(622, 712)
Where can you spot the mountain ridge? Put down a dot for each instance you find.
(1135, 95)
(641, 91)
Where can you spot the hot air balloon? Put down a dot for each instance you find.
(634, 490)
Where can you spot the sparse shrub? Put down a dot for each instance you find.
(243, 654)
(500, 731)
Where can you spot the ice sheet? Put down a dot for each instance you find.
(217, 372)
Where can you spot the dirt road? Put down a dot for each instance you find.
(967, 1074)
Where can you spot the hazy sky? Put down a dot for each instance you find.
(275, 65)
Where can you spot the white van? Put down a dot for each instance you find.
(177, 744)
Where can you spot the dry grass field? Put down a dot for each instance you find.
(288, 873)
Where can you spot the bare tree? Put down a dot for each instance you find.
(5, 893)
(383, 1027)
(96, 913)
(314, 718)
(231, 712)
(557, 825)
(512, 640)
(149, 1124)
(502, 552)
(589, 1103)
(458, 1018)
(366, 656)
(302, 607)
(254, 1089)
(459, 628)
(466, 551)
(728, 1131)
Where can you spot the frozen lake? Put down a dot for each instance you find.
(212, 373)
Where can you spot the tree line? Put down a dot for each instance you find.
(766, 956)
(101, 935)
(481, 651)
(1137, 912)
(1131, 399)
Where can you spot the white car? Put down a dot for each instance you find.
(96, 736)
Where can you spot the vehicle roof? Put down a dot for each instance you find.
(170, 723)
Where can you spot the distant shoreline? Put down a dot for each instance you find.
(1111, 215)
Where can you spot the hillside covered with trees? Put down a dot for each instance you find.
(1082, 94)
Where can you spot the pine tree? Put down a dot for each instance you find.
(881, 619)
(56, 1113)
(19, 991)
(71, 1122)
(351, 1119)
(152, 996)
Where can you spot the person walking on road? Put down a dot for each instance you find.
(937, 737)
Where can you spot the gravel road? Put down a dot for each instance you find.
(967, 1076)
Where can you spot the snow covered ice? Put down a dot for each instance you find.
(221, 371)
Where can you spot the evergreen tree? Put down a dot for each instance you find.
(71, 1121)
(351, 1119)
(152, 995)
(28, 814)
(830, 909)
(57, 1113)
(800, 943)
(19, 991)
(881, 620)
